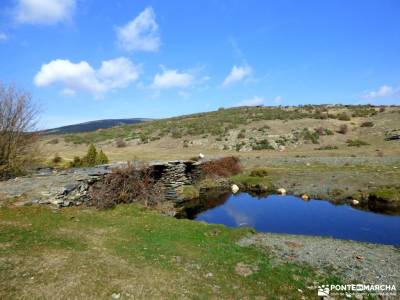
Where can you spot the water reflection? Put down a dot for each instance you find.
(288, 214)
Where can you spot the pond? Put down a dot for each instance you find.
(289, 214)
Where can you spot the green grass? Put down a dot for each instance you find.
(356, 143)
(188, 192)
(387, 193)
(249, 181)
(134, 251)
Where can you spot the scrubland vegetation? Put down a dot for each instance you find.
(218, 124)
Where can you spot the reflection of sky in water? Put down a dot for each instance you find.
(288, 214)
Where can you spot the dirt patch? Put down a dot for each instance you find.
(245, 270)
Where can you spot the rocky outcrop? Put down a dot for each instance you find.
(70, 187)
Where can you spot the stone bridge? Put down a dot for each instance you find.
(69, 187)
(173, 174)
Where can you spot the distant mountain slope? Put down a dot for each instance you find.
(258, 128)
(94, 125)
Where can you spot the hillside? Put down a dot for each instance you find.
(94, 125)
(312, 130)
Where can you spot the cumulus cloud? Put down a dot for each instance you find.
(237, 74)
(141, 33)
(383, 91)
(252, 101)
(258, 101)
(172, 79)
(44, 11)
(113, 74)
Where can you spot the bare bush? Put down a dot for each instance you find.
(343, 129)
(18, 116)
(120, 143)
(53, 141)
(367, 124)
(56, 159)
(126, 185)
(343, 117)
(223, 167)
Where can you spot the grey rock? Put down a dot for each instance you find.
(69, 188)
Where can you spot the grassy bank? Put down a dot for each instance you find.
(137, 253)
(336, 180)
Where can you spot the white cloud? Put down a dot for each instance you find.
(118, 73)
(237, 74)
(258, 101)
(3, 36)
(141, 33)
(172, 79)
(113, 74)
(252, 101)
(383, 91)
(44, 11)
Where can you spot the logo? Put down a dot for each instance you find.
(347, 290)
(323, 290)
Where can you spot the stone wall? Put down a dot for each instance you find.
(70, 187)
(174, 174)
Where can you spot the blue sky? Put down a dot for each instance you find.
(86, 59)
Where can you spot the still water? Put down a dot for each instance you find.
(289, 214)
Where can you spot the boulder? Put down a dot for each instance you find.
(305, 197)
(234, 188)
(281, 191)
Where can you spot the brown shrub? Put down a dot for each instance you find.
(343, 117)
(367, 124)
(223, 167)
(120, 143)
(56, 159)
(343, 129)
(320, 130)
(126, 185)
(53, 141)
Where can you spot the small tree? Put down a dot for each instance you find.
(76, 163)
(90, 158)
(18, 116)
(101, 158)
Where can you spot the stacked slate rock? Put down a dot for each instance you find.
(173, 177)
(195, 173)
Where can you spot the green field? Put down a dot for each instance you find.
(137, 253)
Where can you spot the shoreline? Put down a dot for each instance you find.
(355, 262)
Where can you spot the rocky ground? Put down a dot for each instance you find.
(330, 178)
(353, 261)
(47, 186)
